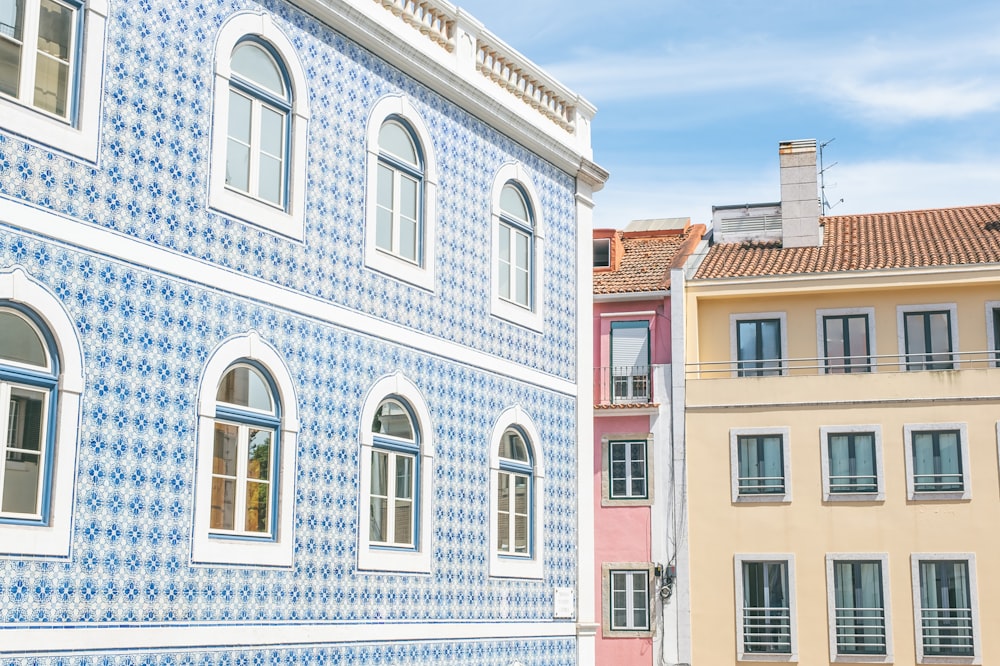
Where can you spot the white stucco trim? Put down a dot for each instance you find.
(376, 558)
(977, 649)
(508, 566)
(81, 138)
(100, 241)
(963, 436)
(734, 465)
(206, 549)
(533, 317)
(824, 438)
(789, 560)
(53, 539)
(420, 275)
(290, 221)
(831, 608)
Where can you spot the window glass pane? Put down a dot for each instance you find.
(239, 117)
(513, 204)
(746, 334)
(404, 476)
(503, 512)
(393, 420)
(272, 132)
(407, 197)
(238, 166)
(19, 342)
(521, 287)
(259, 455)
(21, 483)
(408, 239)
(857, 328)
(51, 85)
(11, 31)
(12, 19)
(269, 179)
(915, 343)
(940, 332)
(602, 253)
(26, 416)
(225, 448)
(770, 339)
(512, 447)
(55, 29)
(245, 387)
(378, 492)
(383, 219)
(396, 141)
(223, 516)
(834, 336)
(403, 522)
(254, 64)
(257, 507)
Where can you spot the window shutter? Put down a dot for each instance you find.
(630, 346)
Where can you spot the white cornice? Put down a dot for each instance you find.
(632, 296)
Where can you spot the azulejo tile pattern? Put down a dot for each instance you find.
(152, 177)
(146, 336)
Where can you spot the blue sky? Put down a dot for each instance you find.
(694, 96)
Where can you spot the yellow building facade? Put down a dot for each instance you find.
(841, 420)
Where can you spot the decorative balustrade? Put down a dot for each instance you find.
(493, 60)
(431, 21)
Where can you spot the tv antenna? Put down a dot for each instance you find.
(824, 203)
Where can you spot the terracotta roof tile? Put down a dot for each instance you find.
(647, 260)
(908, 239)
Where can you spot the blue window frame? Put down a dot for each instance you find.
(40, 54)
(515, 486)
(400, 191)
(516, 251)
(245, 454)
(394, 491)
(29, 375)
(259, 123)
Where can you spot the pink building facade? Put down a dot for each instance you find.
(635, 514)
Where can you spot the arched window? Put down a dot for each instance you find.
(400, 190)
(259, 121)
(246, 445)
(259, 126)
(396, 467)
(514, 485)
(244, 482)
(41, 379)
(395, 462)
(400, 193)
(517, 490)
(517, 270)
(515, 252)
(29, 373)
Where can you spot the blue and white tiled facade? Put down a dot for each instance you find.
(153, 280)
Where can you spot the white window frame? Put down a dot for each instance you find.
(53, 539)
(502, 565)
(734, 353)
(831, 605)
(606, 442)
(734, 464)
(607, 600)
(421, 274)
(79, 136)
(977, 655)
(821, 314)
(824, 436)
(278, 550)
(963, 436)
(903, 310)
(287, 221)
(533, 317)
(789, 559)
(378, 557)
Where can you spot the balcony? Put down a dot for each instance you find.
(624, 386)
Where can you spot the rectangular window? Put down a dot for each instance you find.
(602, 252)
(947, 622)
(628, 470)
(629, 600)
(761, 465)
(928, 338)
(852, 462)
(630, 362)
(758, 345)
(937, 461)
(995, 314)
(765, 616)
(859, 607)
(846, 344)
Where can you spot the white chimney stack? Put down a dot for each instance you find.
(799, 194)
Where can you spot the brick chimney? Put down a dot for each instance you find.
(799, 194)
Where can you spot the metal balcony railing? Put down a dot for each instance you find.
(947, 631)
(861, 630)
(775, 367)
(625, 385)
(767, 629)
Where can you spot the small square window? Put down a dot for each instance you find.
(937, 461)
(602, 253)
(626, 599)
(626, 470)
(760, 465)
(852, 463)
